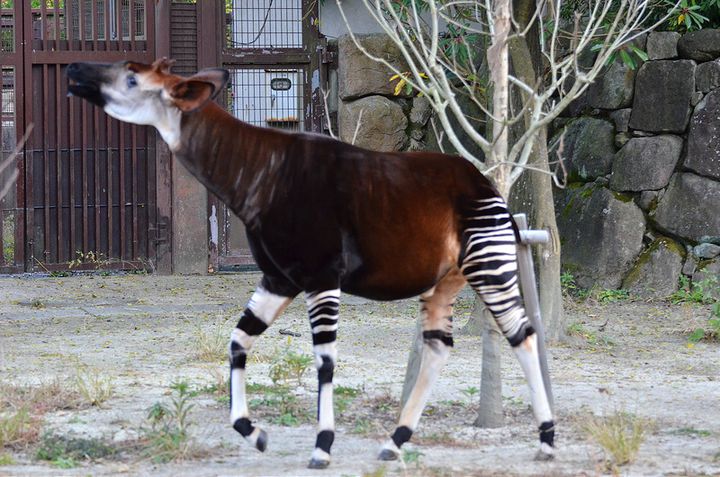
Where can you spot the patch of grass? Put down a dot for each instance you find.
(412, 456)
(710, 331)
(290, 365)
(570, 288)
(37, 304)
(691, 431)
(18, 428)
(593, 338)
(620, 435)
(470, 392)
(6, 459)
(168, 438)
(283, 407)
(700, 292)
(44, 397)
(66, 452)
(211, 346)
(94, 386)
(611, 296)
(343, 397)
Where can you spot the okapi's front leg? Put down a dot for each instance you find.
(262, 309)
(437, 309)
(323, 310)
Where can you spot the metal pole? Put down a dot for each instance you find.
(528, 285)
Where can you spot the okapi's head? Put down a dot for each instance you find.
(145, 94)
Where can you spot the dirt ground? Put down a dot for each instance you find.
(143, 333)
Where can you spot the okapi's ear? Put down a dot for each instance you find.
(192, 93)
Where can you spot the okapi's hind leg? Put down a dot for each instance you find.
(490, 266)
(262, 309)
(323, 310)
(437, 308)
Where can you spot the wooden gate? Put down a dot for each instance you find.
(87, 192)
(273, 50)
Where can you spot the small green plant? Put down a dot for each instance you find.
(343, 396)
(37, 304)
(66, 452)
(18, 428)
(94, 386)
(591, 337)
(709, 332)
(168, 438)
(700, 292)
(611, 296)
(288, 366)
(6, 459)
(630, 54)
(96, 260)
(412, 456)
(470, 392)
(620, 435)
(211, 345)
(284, 406)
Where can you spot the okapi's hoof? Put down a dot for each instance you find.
(318, 464)
(261, 442)
(388, 454)
(545, 453)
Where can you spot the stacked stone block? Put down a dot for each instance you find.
(643, 158)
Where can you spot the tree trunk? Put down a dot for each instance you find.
(537, 191)
(490, 413)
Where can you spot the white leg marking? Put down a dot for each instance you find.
(527, 354)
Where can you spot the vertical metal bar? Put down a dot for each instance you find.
(46, 166)
(119, 33)
(109, 147)
(58, 29)
(121, 158)
(526, 271)
(84, 152)
(108, 18)
(95, 25)
(96, 130)
(58, 164)
(133, 145)
(81, 25)
(132, 17)
(71, 181)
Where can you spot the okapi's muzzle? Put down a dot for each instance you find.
(86, 80)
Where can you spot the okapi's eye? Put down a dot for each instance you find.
(131, 81)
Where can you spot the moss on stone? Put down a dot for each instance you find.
(622, 197)
(634, 274)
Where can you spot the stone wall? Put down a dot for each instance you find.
(642, 150)
(368, 109)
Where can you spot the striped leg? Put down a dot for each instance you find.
(490, 266)
(263, 308)
(437, 308)
(323, 310)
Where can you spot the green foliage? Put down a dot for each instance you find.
(342, 398)
(593, 338)
(285, 406)
(168, 437)
(630, 54)
(290, 365)
(619, 434)
(18, 428)
(711, 331)
(700, 292)
(66, 452)
(693, 15)
(412, 456)
(6, 459)
(611, 296)
(470, 392)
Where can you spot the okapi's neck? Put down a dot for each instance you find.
(234, 160)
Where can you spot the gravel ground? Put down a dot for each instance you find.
(143, 333)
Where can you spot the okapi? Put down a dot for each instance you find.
(322, 217)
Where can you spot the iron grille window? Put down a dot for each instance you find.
(91, 14)
(253, 100)
(265, 24)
